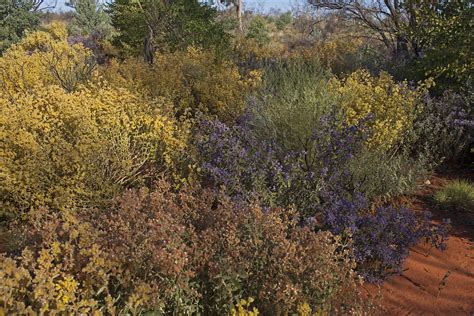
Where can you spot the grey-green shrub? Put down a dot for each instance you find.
(443, 128)
(380, 176)
(283, 20)
(294, 97)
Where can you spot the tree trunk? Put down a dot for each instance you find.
(148, 49)
(238, 10)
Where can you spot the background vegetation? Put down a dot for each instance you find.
(166, 157)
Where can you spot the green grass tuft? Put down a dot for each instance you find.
(457, 195)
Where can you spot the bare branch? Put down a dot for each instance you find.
(387, 18)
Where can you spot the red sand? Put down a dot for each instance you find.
(433, 282)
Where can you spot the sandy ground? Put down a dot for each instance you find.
(433, 282)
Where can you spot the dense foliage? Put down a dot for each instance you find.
(392, 104)
(151, 25)
(16, 17)
(193, 80)
(64, 136)
(156, 157)
(442, 29)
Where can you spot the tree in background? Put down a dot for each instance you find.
(90, 19)
(434, 36)
(444, 33)
(283, 20)
(91, 26)
(385, 18)
(237, 4)
(165, 25)
(17, 16)
(258, 31)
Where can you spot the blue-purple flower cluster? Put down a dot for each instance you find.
(381, 236)
(234, 159)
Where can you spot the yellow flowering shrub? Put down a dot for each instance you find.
(65, 146)
(392, 104)
(193, 80)
(43, 58)
(252, 55)
(66, 273)
(336, 51)
(242, 308)
(59, 146)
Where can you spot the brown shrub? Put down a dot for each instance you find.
(182, 252)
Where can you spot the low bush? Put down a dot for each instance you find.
(183, 252)
(294, 264)
(245, 166)
(243, 308)
(250, 55)
(59, 147)
(381, 236)
(443, 130)
(294, 96)
(61, 269)
(233, 159)
(382, 176)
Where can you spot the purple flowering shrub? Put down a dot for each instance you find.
(321, 169)
(234, 158)
(318, 182)
(381, 237)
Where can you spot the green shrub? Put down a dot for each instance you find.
(258, 31)
(283, 20)
(457, 195)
